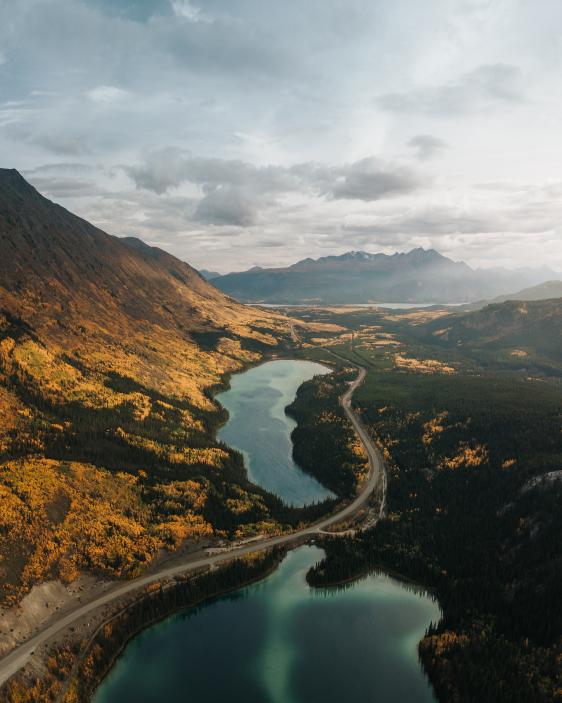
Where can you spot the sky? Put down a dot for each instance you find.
(235, 133)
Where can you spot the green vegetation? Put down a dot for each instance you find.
(511, 335)
(325, 445)
(474, 453)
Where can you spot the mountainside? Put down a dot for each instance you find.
(543, 291)
(54, 262)
(525, 334)
(421, 276)
(209, 275)
(108, 351)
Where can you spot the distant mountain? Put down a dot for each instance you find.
(209, 275)
(544, 291)
(419, 276)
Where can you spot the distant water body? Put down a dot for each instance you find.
(388, 306)
(260, 429)
(281, 641)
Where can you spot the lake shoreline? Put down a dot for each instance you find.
(224, 386)
(211, 595)
(263, 576)
(260, 428)
(217, 594)
(385, 590)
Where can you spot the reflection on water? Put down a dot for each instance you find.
(259, 428)
(280, 641)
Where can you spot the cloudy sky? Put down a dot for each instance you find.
(242, 132)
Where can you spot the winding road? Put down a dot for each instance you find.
(17, 658)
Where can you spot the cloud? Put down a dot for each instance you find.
(57, 140)
(188, 10)
(227, 205)
(106, 94)
(426, 146)
(444, 221)
(65, 187)
(485, 86)
(61, 167)
(270, 111)
(168, 168)
(235, 191)
(369, 180)
(366, 179)
(68, 180)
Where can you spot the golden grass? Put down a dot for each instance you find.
(59, 519)
(427, 366)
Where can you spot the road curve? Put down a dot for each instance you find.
(18, 657)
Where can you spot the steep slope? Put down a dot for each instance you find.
(209, 275)
(108, 351)
(359, 277)
(53, 261)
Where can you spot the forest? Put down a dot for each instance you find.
(99, 471)
(324, 443)
(473, 453)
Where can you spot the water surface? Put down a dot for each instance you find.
(389, 306)
(259, 428)
(281, 641)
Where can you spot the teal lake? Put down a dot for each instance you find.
(280, 641)
(259, 428)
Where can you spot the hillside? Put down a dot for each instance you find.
(421, 276)
(523, 334)
(108, 351)
(544, 291)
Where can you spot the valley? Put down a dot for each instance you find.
(280, 351)
(116, 596)
(125, 485)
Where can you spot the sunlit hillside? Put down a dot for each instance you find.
(108, 352)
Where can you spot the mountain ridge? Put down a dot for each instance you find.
(417, 276)
(543, 291)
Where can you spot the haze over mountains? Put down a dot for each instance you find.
(419, 276)
(209, 275)
(542, 291)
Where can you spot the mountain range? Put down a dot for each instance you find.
(54, 262)
(419, 276)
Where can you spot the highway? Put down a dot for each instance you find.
(17, 658)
